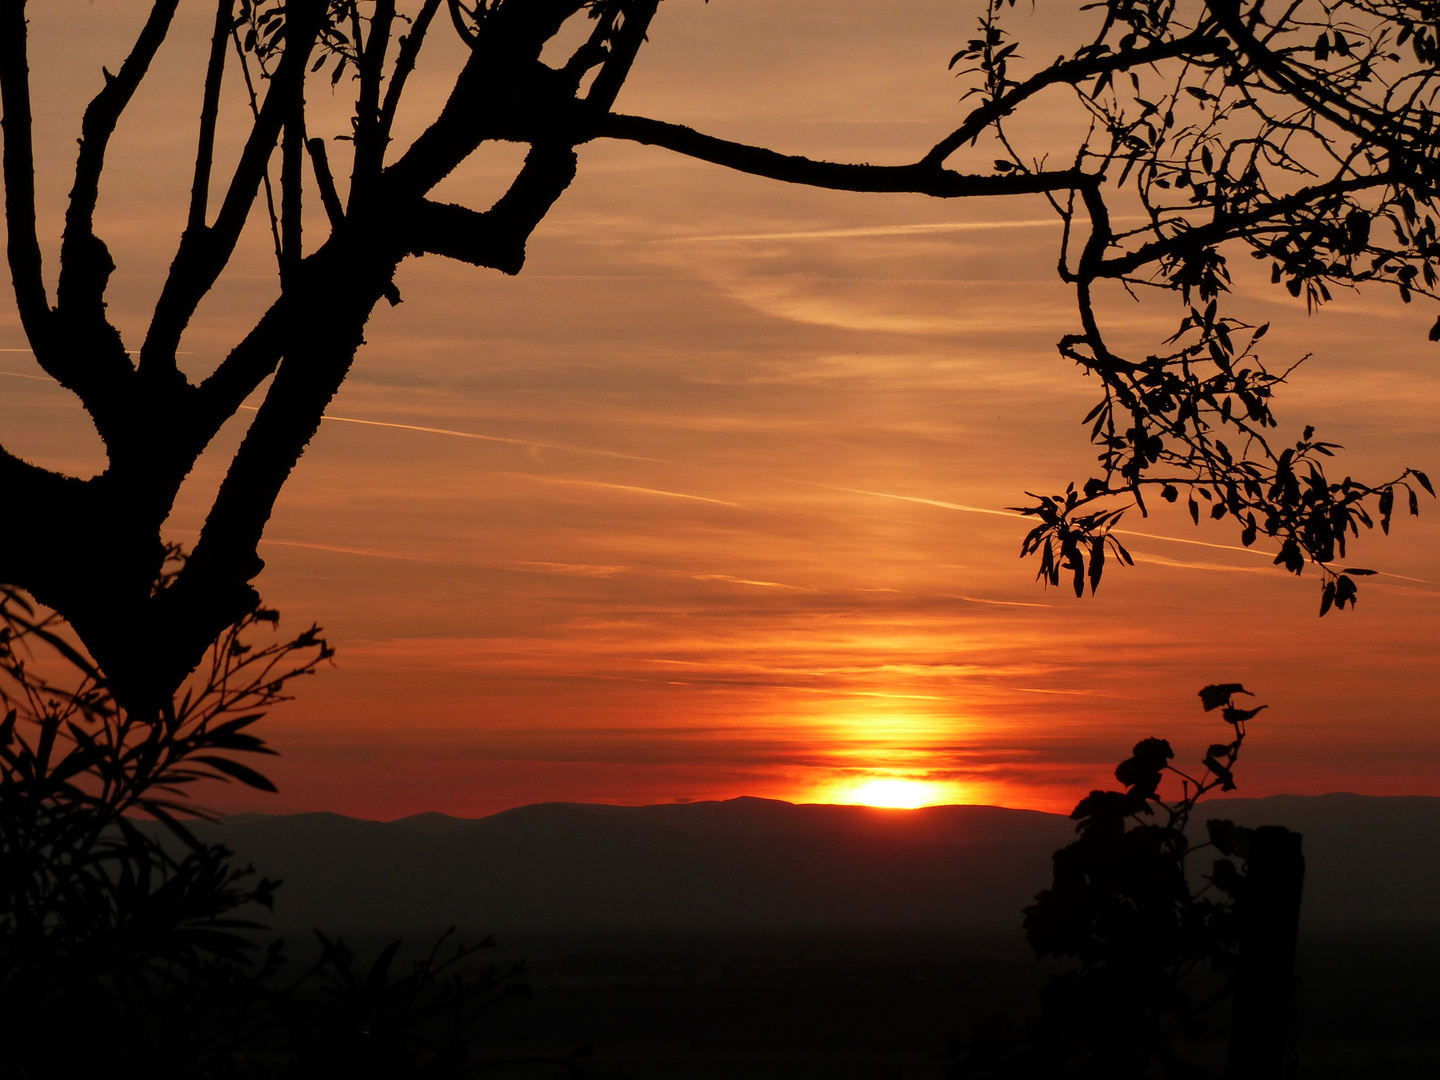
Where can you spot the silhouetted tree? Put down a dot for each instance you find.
(1302, 132)
(1150, 954)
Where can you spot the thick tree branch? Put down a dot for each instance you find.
(370, 138)
(495, 238)
(624, 47)
(924, 177)
(93, 360)
(98, 125)
(457, 20)
(404, 64)
(502, 92)
(325, 181)
(292, 213)
(22, 247)
(318, 328)
(55, 501)
(209, 115)
(452, 137)
(248, 365)
(202, 254)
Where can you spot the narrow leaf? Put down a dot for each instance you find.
(243, 773)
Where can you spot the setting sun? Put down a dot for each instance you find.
(897, 792)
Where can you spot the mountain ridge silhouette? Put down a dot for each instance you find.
(760, 864)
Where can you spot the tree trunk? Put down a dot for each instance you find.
(1262, 1034)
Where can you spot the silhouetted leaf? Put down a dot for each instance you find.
(1345, 590)
(1097, 563)
(1222, 772)
(1214, 696)
(1236, 716)
(243, 773)
(1225, 877)
(1097, 803)
(1229, 838)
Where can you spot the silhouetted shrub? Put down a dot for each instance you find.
(1150, 954)
(133, 950)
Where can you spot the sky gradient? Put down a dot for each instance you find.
(710, 500)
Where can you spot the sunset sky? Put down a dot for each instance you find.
(709, 500)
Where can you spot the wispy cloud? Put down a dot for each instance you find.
(997, 603)
(855, 304)
(1157, 559)
(578, 569)
(1161, 560)
(475, 435)
(524, 566)
(629, 488)
(1197, 543)
(361, 552)
(916, 499)
(1067, 693)
(745, 581)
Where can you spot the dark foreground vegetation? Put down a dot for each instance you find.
(873, 1004)
(1202, 135)
(701, 935)
(1302, 133)
(137, 946)
(134, 952)
(882, 1004)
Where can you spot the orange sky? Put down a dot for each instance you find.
(709, 500)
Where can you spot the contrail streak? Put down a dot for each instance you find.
(746, 581)
(620, 487)
(998, 603)
(475, 435)
(880, 230)
(916, 499)
(411, 427)
(865, 230)
(1119, 532)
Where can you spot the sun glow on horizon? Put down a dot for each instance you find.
(896, 792)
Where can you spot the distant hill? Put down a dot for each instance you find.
(751, 864)
(1370, 861)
